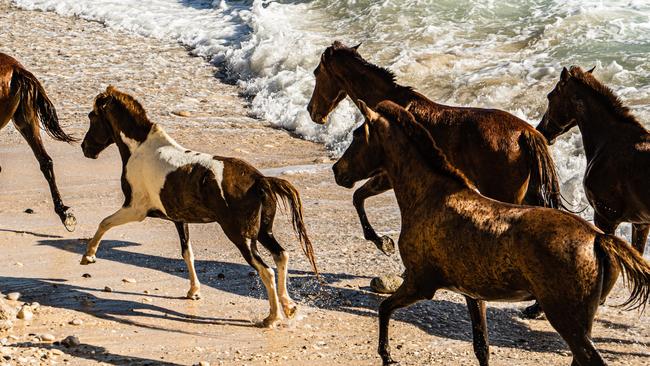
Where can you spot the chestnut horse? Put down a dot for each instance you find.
(23, 99)
(617, 147)
(454, 238)
(162, 179)
(503, 155)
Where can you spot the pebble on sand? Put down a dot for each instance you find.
(70, 341)
(76, 321)
(108, 289)
(386, 284)
(204, 363)
(182, 113)
(129, 280)
(13, 296)
(25, 313)
(46, 337)
(7, 313)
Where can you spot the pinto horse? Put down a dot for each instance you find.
(23, 99)
(501, 154)
(617, 147)
(162, 179)
(454, 238)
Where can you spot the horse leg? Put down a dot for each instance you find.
(281, 259)
(639, 236)
(188, 256)
(405, 295)
(29, 130)
(477, 313)
(122, 216)
(374, 186)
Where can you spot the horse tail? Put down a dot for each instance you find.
(32, 95)
(544, 184)
(274, 187)
(636, 270)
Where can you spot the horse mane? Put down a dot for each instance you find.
(604, 93)
(128, 103)
(338, 49)
(422, 140)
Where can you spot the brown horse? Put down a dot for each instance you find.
(454, 238)
(501, 154)
(162, 179)
(23, 99)
(617, 147)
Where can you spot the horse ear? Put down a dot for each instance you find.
(565, 75)
(357, 46)
(592, 70)
(368, 113)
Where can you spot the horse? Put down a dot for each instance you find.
(23, 100)
(454, 238)
(162, 179)
(617, 148)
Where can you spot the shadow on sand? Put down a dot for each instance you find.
(440, 318)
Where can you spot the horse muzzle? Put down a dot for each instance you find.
(87, 153)
(341, 178)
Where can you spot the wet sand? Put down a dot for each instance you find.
(149, 322)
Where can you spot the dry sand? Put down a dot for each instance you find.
(148, 322)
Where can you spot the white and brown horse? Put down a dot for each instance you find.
(162, 179)
(23, 99)
(454, 238)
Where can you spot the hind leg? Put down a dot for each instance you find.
(29, 130)
(574, 325)
(188, 256)
(639, 236)
(281, 259)
(374, 186)
(479, 329)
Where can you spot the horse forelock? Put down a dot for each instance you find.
(422, 140)
(604, 93)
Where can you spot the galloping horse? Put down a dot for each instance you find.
(501, 154)
(617, 147)
(162, 179)
(23, 99)
(454, 238)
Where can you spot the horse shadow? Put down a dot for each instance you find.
(441, 318)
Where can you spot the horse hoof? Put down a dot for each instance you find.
(193, 295)
(290, 310)
(386, 245)
(270, 322)
(532, 312)
(389, 361)
(70, 222)
(88, 259)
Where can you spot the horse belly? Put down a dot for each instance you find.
(494, 294)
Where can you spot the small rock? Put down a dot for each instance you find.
(7, 314)
(18, 264)
(221, 276)
(35, 305)
(46, 337)
(108, 289)
(182, 113)
(129, 280)
(86, 275)
(13, 296)
(322, 160)
(4, 341)
(71, 341)
(76, 321)
(387, 284)
(29, 211)
(204, 363)
(25, 313)
(57, 352)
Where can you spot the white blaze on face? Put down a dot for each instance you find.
(152, 160)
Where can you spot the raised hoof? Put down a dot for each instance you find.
(386, 245)
(270, 322)
(532, 312)
(88, 259)
(69, 221)
(193, 295)
(290, 310)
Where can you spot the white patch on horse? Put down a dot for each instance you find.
(153, 159)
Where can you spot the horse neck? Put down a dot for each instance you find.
(412, 177)
(600, 125)
(128, 135)
(361, 82)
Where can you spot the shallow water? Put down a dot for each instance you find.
(498, 54)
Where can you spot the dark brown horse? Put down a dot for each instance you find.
(23, 99)
(454, 238)
(501, 154)
(617, 147)
(162, 179)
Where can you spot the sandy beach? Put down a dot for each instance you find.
(145, 320)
